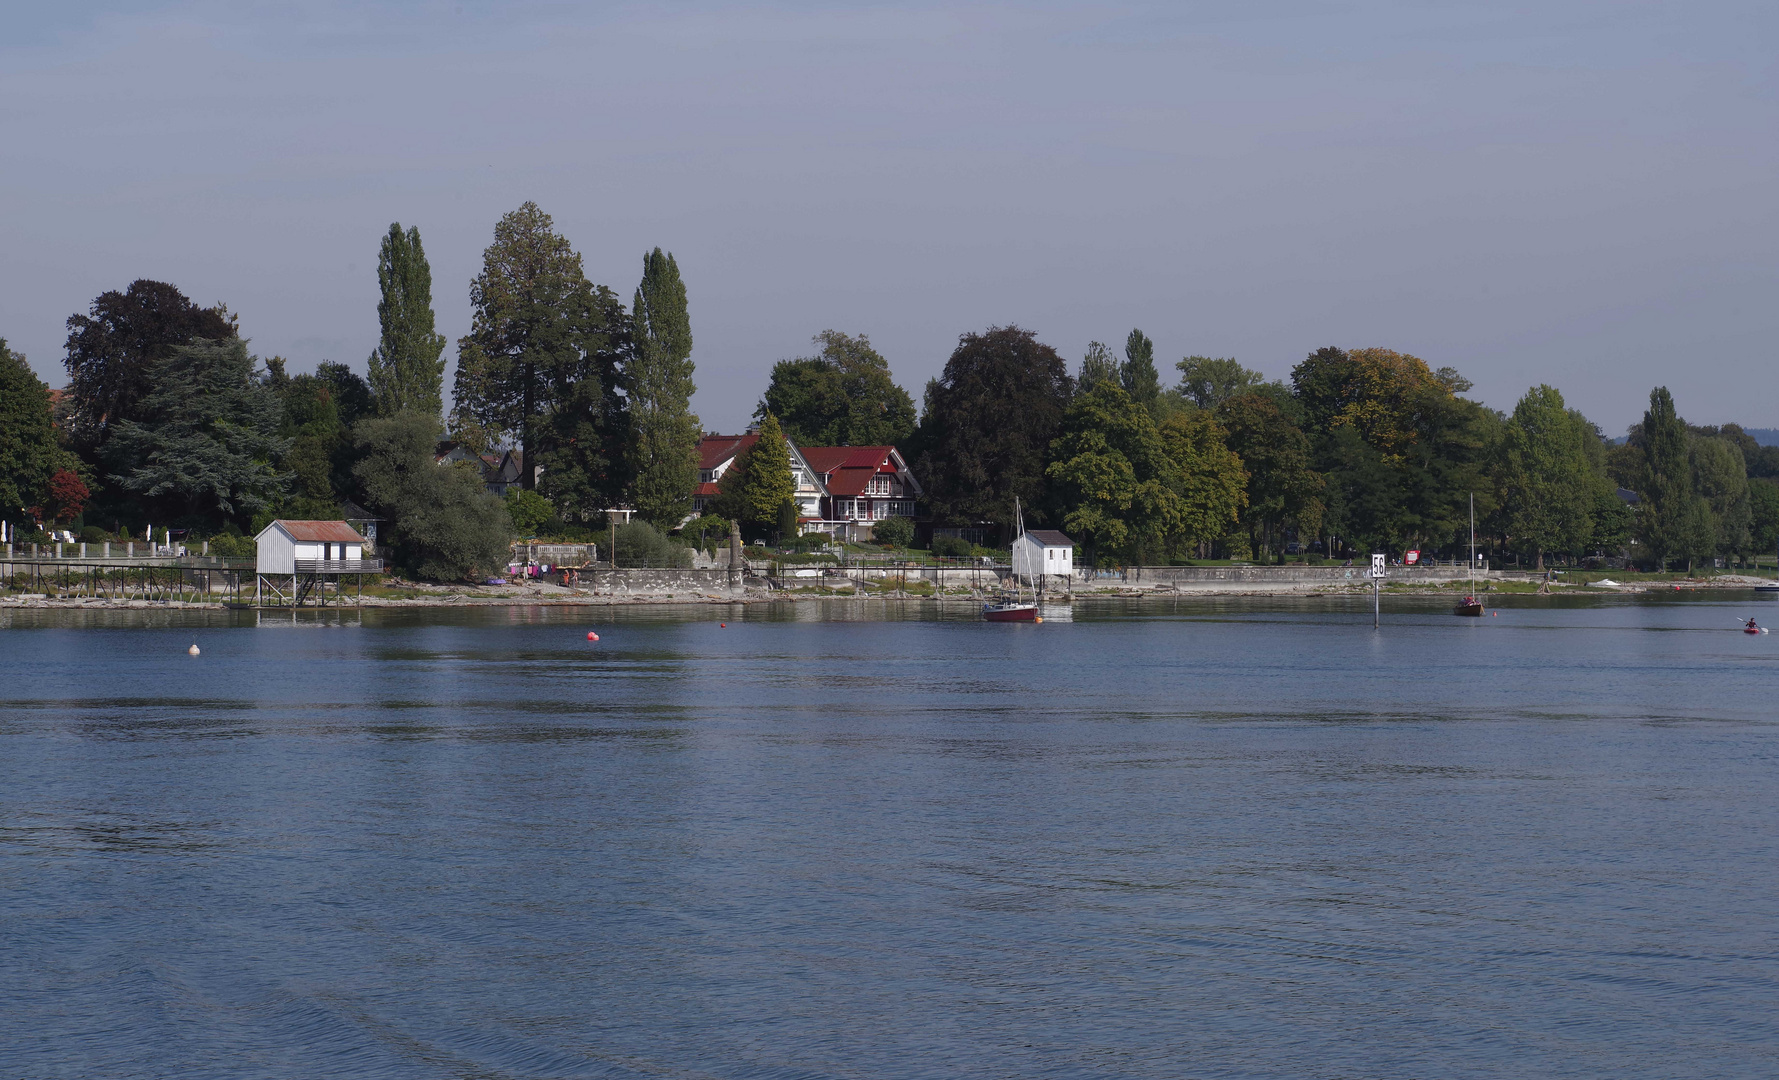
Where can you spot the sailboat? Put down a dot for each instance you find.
(1012, 608)
(1470, 605)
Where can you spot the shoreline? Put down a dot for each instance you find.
(555, 596)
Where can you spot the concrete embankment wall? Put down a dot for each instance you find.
(605, 582)
(1242, 578)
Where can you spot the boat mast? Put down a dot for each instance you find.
(1473, 542)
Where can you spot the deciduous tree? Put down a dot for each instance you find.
(29, 454)
(664, 433)
(841, 396)
(1209, 381)
(1211, 479)
(1550, 485)
(1097, 366)
(407, 369)
(1112, 474)
(113, 351)
(1673, 515)
(441, 522)
(1137, 374)
(988, 424)
(1283, 485)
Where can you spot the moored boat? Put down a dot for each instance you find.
(1470, 605)
(1010, 611)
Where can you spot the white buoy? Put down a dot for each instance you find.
(194, 649)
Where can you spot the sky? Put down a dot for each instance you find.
(1564, 192)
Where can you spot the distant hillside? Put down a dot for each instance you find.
(1766, 436)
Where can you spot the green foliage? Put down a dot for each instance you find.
(640, 545)
(759, 483)
(29, 455)
(953, 547)
(1210, 479)
(1209, 381)
(408, 366)
(1720, 479)
(1550, 486)
(1137, 374)
(988, 424)
(1676, 523)
(1097, 366)
(664, 443)
(706, 527)
(206, 448)
(440, 521)
(1613, 520)
(233, 546)
(114, 351)
(542, 363)
(529, 510)
(787, 520)
(1763, 506)
(1283, 485)
(895, 532)
(841, 396)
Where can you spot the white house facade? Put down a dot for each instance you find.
(1040, 552)
(291, 547)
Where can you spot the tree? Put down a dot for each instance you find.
(1283, 485)
(841, 396)
(1720, 480)
(1097, 366)
(759, 483)
(542, 364)
(664, 433)
(1763, 505)
(1374, 391)
(529, 510)
(29, 455)
(1671, 520)
(66, 497)
(1111, 472)
(1210, 477)
(988, 424)
(113, 352)
(442, 524)
(1137, 374)
(1209, 381)
(206, 446)
(317, 439)
(1551, 487)
(408, 366)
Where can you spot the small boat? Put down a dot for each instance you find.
(1013, 607)
(1752, 628)
(1470, 605)
(1010, 610)
(1768, 587)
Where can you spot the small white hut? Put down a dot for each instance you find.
(1041, 552)
(292, 547)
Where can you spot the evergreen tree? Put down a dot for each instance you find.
(29, 456)
(407, 369)
(988, 424)
(756, 487)
(1138, 375)
(206, 448)
(542, 365)
(842, 396)
(664, 440)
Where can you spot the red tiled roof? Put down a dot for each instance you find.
(321, 532)
(713, 450)
(828, 458)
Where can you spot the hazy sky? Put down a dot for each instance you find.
(1585, 194)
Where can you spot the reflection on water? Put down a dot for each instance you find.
(1144, 838)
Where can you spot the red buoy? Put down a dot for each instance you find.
(591, 636)
(723, 625)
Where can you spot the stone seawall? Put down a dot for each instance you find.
(1242, 578)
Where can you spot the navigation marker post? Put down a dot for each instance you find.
(1377, 576)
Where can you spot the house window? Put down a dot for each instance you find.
(880, 485)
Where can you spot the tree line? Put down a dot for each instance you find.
(167, 417)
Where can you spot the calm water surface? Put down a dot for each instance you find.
(1158, 840)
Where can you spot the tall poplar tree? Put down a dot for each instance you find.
(1674, 517)
(664, 433)
(1137, 374)
(408, 366)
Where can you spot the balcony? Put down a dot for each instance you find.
(339, 566)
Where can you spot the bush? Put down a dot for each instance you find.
(708, 527)
(233, 547)
(92, 534)
(952, 547)
(896, 532)
(640, 545)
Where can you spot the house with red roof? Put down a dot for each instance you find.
(864, 485)
(717, 454)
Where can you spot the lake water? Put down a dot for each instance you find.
(1162, 839)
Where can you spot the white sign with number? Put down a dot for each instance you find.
(1377, 566)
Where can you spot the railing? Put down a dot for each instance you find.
(339, 566)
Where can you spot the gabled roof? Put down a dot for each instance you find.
(829, 458)
(316, 532)
(1049, 538)
(713, 450)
